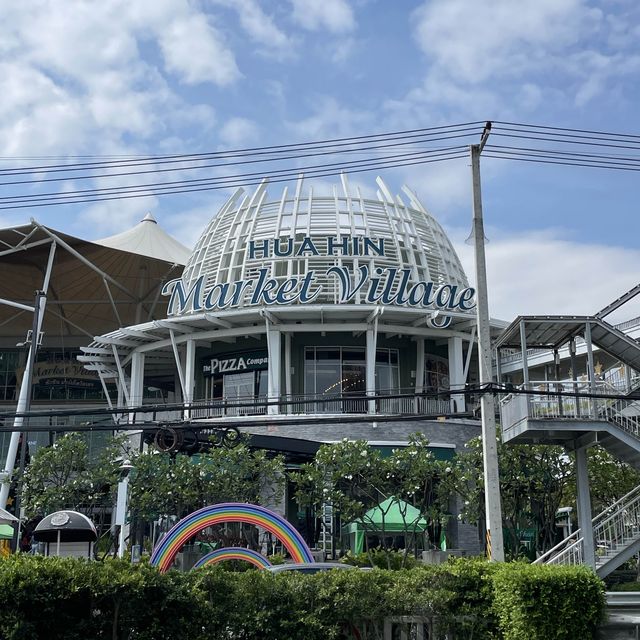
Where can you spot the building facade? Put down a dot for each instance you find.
(304, 318)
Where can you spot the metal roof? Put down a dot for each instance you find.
(552, 332)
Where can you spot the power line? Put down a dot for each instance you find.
(469, 128)
(318, 173)
(223, 178)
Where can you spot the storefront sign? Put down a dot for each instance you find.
(237, 363)
(68, 373)
(385, 285)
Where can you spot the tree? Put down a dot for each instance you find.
(535, 480)
(163, 484)
(66, 476)
(354, 478)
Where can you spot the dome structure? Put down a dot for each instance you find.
(301, 232)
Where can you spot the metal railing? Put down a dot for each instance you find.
(617, 525)
(515, 407)
(395, 404)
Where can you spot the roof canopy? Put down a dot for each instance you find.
(147, 238)
(390, 516)
(93, 287)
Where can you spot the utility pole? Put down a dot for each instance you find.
(493, 507)
(24, 402)
(27, 381)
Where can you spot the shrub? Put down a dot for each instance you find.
(547, 602)
(381, 558)
(71, 599)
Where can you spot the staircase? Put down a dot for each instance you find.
(616, 534)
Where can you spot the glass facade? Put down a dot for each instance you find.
(342, 371)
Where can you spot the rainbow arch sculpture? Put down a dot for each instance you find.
(233, 553)
(166, 550)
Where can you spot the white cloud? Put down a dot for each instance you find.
(261, 27)
(500, 55)
(335, 16)
(237, 132)
(545, 272)
(330, 119)
(474, 41)
(194, 50)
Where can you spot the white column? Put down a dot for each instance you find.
(372, 337)
(584, 507)
(287, 370)
(419, 372)
(189, 375)
(456, 373)
(274, 341)
(137, 379)
(136, 392)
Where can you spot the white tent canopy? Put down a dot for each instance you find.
(147, 238)
(6, 517)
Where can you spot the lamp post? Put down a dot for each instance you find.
(122, 504)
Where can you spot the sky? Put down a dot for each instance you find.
(148, 77)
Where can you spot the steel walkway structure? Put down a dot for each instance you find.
(578, 413)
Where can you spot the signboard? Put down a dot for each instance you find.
(385, 285)
(235, 363)
(67, 373)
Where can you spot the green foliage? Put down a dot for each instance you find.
(71, 599)
(381, 558)
(65, 476)
(176, 485)
(534, 482)
(354, 477)
(541, 602)
(626, 586)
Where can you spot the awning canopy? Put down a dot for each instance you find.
(92, 288)
(147, 238)
(6, 517)
(391, 516)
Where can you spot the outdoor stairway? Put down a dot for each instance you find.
(616, 533)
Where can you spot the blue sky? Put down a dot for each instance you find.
(135, 77)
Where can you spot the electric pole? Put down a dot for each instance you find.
(493, 507)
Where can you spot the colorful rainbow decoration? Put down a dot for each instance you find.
(166, 550)
(233, 553)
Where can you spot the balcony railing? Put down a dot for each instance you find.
(393, 404)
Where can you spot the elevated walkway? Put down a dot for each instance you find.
(578, 413)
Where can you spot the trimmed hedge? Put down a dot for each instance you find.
(537, 601)
(63, 598)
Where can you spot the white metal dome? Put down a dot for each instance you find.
(413, 239)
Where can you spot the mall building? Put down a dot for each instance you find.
(302, 318)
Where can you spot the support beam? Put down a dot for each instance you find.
(467, 364)
(584, 507)
(274, 343)
(419, 371)
(372, 339)
(287, 370)
(523, 348)
(590, 368)
(189, 376)
(24, 397)
(456, 374)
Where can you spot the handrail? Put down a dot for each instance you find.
(561, 545)
(599, 522)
